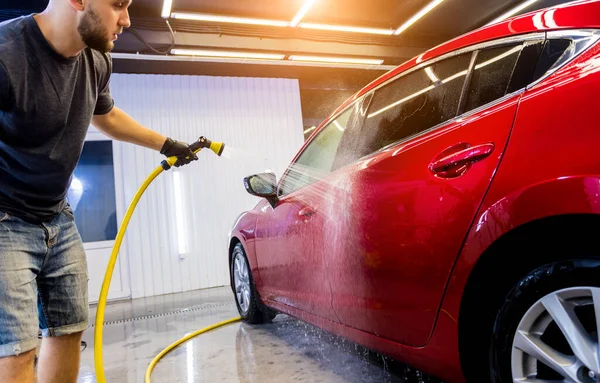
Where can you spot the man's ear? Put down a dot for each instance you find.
(77, 4)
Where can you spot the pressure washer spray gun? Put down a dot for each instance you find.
(202, 143)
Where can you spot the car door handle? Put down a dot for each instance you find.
(306, 213)
(455, 161)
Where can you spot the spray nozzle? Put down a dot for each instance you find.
(205, 143)
(202, 143)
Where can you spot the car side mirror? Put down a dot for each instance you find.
(263, 185)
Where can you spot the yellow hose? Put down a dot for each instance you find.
(98, 360)
(180, 341)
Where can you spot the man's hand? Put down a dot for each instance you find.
(180, 150)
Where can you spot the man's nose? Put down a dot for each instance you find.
(125, 21)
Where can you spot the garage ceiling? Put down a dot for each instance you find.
(381, 18)
(447, 19)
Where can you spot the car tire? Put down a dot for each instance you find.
(526, 329)
(247, 300)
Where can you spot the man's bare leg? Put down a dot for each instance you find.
(59, 357)
(17, 369)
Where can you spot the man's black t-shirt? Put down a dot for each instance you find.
(46, 106)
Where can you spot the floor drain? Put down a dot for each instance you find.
(206, 306)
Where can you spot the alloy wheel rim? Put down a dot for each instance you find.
(241, 279)
(557, 339)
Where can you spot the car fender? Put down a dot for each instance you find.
(244, 231)
(531, 203)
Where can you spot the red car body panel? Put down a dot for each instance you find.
(397, 288)
(289, 253)
(553, 184)
(389, 278)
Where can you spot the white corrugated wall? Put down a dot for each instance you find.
(260, 117)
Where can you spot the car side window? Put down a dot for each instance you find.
(552, 51)
(524, 71)
(413, 103)
(349, 148)
(316, 160)
(491, 75)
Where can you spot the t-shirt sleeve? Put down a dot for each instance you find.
(105, 102)
(4, 87)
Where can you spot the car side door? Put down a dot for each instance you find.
(419, 177)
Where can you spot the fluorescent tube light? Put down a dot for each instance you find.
(278, 23)
(244, 55)
(228, 19)
(205, 59)
(342, 60)
(345, 28)
(166, 8)
(418, 15)
(302, 12)
(178, 189)
(513, 11)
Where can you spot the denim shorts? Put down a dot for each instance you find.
(43, 281)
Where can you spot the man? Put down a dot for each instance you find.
(54, 81)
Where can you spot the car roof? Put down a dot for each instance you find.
(573, 15)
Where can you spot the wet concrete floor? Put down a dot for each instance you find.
(285, 350)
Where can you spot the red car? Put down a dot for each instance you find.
(448, 214)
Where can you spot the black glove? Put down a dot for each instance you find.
(181, 150)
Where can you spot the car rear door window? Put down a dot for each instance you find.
(491, 75)
(525, 68)
(413, 103)
(552, 51)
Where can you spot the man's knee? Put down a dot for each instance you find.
(73, 338)
(18, 360)
(17, 368)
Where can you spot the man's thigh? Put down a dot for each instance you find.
(22, 253)
(63, 280)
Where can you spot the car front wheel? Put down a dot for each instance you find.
(246, 298)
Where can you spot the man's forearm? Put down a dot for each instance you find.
(119, 125)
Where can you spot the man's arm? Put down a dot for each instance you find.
(120, 126)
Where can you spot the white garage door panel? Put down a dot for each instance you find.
(97, 259)
(260, 117)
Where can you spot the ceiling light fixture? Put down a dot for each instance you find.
(277, 23)
(166, 9)
(513, 11)
(344, 28)
(302, 12)
(242, 55)
(417, 16)
(283, 63)
(340, 60)
(228, 19)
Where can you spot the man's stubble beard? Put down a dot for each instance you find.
(93, 33)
